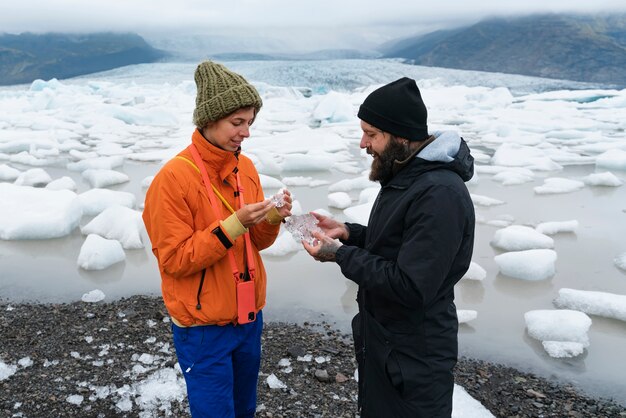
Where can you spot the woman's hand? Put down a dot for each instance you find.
(285, 210)
(253, 213)
(331, 227)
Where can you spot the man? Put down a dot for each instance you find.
(417, 245)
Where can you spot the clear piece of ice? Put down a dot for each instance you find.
(301, 227)
(278, 199)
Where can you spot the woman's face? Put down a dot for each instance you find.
(229, 132)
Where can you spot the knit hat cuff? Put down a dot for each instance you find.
(225, 103)
(412, 133)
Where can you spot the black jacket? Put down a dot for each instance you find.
(416, 247)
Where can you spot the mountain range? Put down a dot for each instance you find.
(26, 57)
(590, 48)
(579, 48)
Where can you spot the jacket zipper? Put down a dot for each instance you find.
(199, 305)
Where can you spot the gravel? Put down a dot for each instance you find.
(117, 359)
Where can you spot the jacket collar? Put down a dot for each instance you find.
(463, 165)
(219, 161)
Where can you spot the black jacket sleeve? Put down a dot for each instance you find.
(356, 235)
(435, 225)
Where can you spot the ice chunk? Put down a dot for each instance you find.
(552, 228)
(63, 183)
(475, 272)
(95, 295)
(278, 199)
(95, 201)
(33, 177)
(563, 349)
(612, 159)
(558, 185)
(608, 305)
(6, 371)
(274, 382)
(558, 325)
(104, 178)
(519, 237)
(485, 201)
(302, 226)
(33, 213)
(527, 265)
(98, 253)
(339, 200)
(118, 223)
(8, 173)
(607, 179)
(284, 244)
(466, 315)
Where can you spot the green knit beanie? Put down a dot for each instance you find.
(220, 92)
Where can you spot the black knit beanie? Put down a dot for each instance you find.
(397, 108)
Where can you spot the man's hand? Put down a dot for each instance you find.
(325, 249)
(331, 227)
(252, 214)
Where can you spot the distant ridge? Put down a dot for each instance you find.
(579, 48)
(27, 57)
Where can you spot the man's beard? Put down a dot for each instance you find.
(382, 167)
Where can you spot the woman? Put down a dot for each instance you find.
(207, 219)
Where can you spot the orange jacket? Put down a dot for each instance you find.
(180, 221)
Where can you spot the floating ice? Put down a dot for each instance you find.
(103, 163)
(510, 178)
(516, 155)
(559, 185)
(98, 253)
(284, 244)
(360, 213)
(339, 200)
(475, 272)
(334, 107)
(527, 265)
(465, 315)
(519, 238)
(614, 159)
(607, 179)
(274, 382)
(33, 213)
(118, 223)
(485, 201)
(552, 228)
(558, 325)
(63, 183)
(95, 295)
(563, 349)
(301, 227)
(608, 305)
(8, 173)
(268, 182)
(348, 185)
(104, 178)
(464, 406)
(95, 201)
(34, 177)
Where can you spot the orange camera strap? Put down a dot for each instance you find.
(216, 211)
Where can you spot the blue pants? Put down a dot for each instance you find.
(221, 367)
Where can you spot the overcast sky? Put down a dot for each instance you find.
(317, 21)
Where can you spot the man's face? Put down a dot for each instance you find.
(385, 149)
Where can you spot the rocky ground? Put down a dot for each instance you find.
(117, 360)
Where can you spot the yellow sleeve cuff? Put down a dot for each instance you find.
(273, 217)
(233, 227)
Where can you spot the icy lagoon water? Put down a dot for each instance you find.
(301, 289)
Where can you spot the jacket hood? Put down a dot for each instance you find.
(448, 151)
